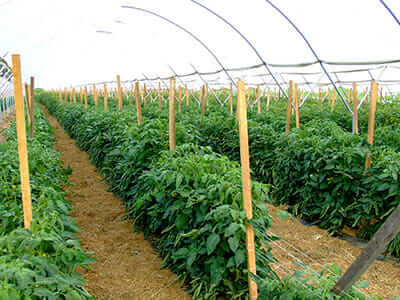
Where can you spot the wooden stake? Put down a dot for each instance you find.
(355, 110)
(230, 99)
(105, 97)
(381, 239)
(60, 94)
(144, 95)
(333, 99)
(32, 106)
(246, 184)
(371, 121)
(202, 96)
(119, 92)
(319, 96)
(289, 107)
(22, 147)
(180, 99)
(172, 136)
(81, 95)
(296, 101)
(159, 95)
(95, 94)
(187, 95)
(206, 93)
(138, 103)
(268, 99)
(258, 99)
(65, 95)
(86, 100)
(28, 102)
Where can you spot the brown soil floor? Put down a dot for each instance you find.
(127, 267)
(315, 247)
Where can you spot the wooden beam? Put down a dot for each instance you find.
(138, 103)
(355, 110)
(105, 97)
(119, 92)
(246, 185)
(289, 107)
(371, 121)
(21, 136)
(386, 233)
(32, 106)
(172, 134)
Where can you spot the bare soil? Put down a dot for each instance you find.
(316, 247)
(127, 267)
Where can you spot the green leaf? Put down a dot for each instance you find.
(233, 243)
(240, 257)
(232, 228)
(212, 242)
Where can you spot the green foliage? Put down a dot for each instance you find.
(39, 263)
(184, 198)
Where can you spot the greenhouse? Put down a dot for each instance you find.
(200, 149)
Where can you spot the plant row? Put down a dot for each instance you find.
(188, 201)
(39, 263)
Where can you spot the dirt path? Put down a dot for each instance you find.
(126, 265)
(315, 247)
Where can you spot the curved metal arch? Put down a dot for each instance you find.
(246, 40)
(313, 52)
(188, 32)
(390, 12)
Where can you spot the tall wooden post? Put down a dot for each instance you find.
(187, 95)
(28, 104)
(172, 135)
(319, 96)
(32, 105)
(105, 97)
(333, 99)
(86, 100)
(81, 95)
(246, 185)
(138, 103)
(22, 147)
(371, 121)
(180, 99)
(65, 95)
(119, 92)
(206, 93)
(258, 99)
(159, 95)
(230, 98)
(289, 107)
(296, 101)
(95, 94)
(60, 95)
(268, 99)
(202, 99)
(355, 110)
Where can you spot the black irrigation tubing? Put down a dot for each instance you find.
(246, 40)
(185, 30)
(313, 52)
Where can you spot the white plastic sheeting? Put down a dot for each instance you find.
(73, 42)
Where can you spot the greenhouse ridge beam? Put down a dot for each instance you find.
(247, 41)
(185, 30)
(390, 12)
(313, 52)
